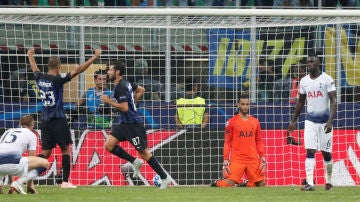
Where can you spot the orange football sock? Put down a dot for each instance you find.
(223, 183)
(250, 184)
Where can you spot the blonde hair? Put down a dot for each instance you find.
(26, 121)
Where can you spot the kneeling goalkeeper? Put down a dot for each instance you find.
(243, 149)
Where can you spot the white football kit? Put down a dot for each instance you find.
(13, 143)
(318, 111)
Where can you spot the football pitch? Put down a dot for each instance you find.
(184, 193)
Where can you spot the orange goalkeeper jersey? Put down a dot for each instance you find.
(243, 139)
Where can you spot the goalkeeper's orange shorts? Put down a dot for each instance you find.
(252, 171)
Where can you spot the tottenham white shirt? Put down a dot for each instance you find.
(318, 102)
(17, 140)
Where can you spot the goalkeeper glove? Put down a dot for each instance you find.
(226, 170)
(262, 166)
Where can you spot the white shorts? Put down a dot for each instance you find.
(19, 169)
(316, 138)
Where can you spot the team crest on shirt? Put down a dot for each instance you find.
(227, 123)
(63, 75)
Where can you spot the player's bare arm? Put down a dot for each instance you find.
(123, 106)
(205, 120)
(32, 153)
(81, 68)
(299, 106)
(32, 62)
(177, 120)
(139, 92)
(333, 109)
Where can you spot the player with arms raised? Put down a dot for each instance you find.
(243, 149)
(318, 89)
(54, 126)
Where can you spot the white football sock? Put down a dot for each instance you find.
(31, 175)
(309, 168)
(328, 171)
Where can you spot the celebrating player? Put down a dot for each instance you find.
(13, 144)
(54, 126)
(243, 149)
(127, 125)
(318, 89)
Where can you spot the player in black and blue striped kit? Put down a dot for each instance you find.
(128, 125)
(54, 126)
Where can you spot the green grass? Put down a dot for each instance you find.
(183, 194)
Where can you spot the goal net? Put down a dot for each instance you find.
(223, 52)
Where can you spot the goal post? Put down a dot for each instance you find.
(225, 51)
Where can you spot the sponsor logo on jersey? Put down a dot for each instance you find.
(315, 94)
(45, 84)
(246, 134)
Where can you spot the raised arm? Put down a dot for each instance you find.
(81, 68)
(32, 62)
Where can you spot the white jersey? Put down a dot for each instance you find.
(318, 102)
(17, 140)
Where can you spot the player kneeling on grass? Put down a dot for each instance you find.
(243, 149)
(13, 144)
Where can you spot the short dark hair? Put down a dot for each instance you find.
(119, 65)
(53, 62)
(99, 72)
(316, 54)
(312, 54)
(190, 83)
(244, 96)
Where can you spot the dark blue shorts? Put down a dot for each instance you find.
(10, 158)
(55, 131)
(135, 133)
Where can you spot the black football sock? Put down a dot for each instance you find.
(66, 167)
(40, 170)
(155, 165)
(121, 153)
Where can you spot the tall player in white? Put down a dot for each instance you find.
(13, 144)
(318, 89)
